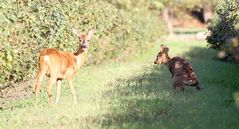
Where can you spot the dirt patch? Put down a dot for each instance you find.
(16, 92)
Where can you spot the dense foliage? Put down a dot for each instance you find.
(28, 26)
(224, 28)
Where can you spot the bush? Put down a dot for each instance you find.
(28, 26)
(224, 27)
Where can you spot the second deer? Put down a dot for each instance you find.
(181, 70)
(59, 65)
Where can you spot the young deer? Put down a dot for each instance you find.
(181, 70)
(59, 65)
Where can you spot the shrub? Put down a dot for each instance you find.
(28, 26)
(224, 27)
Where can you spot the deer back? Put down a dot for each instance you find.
(58, 63)
(181, 67)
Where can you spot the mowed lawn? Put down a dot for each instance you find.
(138, 94)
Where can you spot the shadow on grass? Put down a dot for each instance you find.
(148, 100)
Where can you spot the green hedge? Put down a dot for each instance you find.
(28, 26)
(224, 27)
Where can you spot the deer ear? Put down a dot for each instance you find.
(161, 47)
(76, 32)
(90, 33)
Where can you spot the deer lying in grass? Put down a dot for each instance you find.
(59, 65)
(181, 70)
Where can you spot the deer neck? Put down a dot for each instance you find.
(80, 57)
(167, 60)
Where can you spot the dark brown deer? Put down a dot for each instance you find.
(181, 70)
(59, 65)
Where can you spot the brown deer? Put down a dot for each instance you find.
(59, 65)
(181, 70)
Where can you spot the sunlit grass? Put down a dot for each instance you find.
(138, 94)
(189, 30)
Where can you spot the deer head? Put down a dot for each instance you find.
(162, 57)
(84, 39)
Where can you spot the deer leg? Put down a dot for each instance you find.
(182, 88)
(49, 86)
(179, 85)
(176, 81)
(174, 89)
(58, 86)
(72, 90)
(40, 75)
(174, 86)
(197, 86)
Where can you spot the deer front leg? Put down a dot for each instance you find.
(58, 86)
(175, 85)
(177, 82)
(174, 82)
(72, 90)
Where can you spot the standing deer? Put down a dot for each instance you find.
(59, 65)
(181, 70)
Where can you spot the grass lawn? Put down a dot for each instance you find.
(138, 94)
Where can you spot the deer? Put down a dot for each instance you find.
(59, 65)
(181, 70)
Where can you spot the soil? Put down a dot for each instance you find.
(16, 92)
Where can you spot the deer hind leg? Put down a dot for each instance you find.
(51, 81)
(40, 75)
(58, 91)
(72, 90)
(197, 86)
(194, 83)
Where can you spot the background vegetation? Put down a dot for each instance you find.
(176, 11)
(224, 29)
(28, 26)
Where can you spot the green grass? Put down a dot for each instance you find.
(138, 94)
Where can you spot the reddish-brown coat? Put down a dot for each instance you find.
(60, 65)
(66, 63)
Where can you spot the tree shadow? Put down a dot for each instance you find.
(148, 100)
